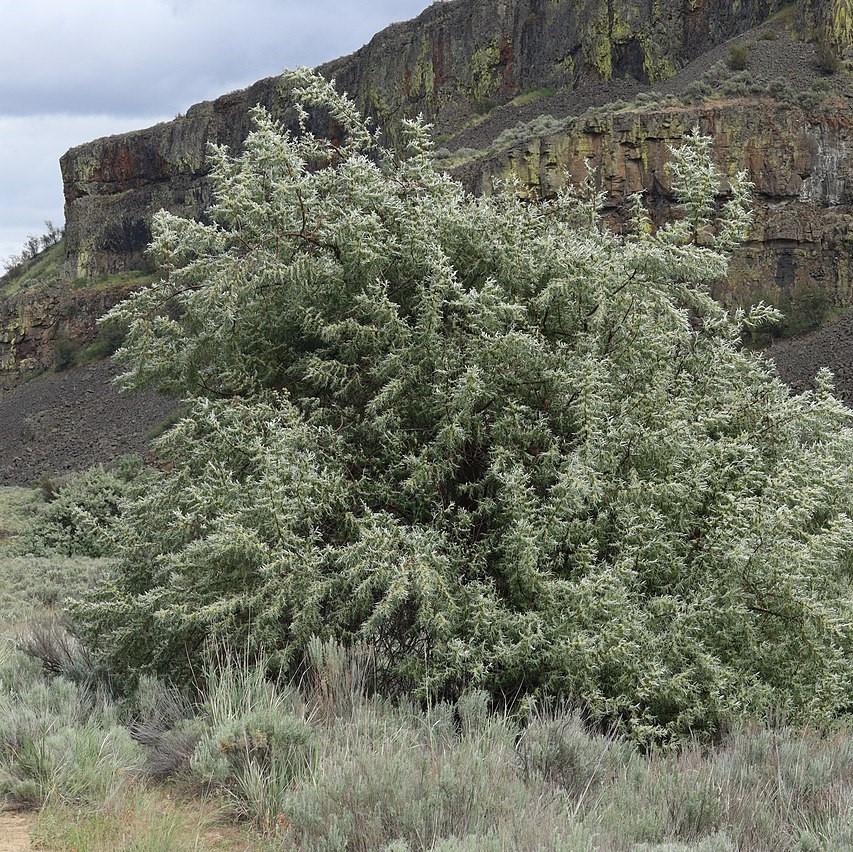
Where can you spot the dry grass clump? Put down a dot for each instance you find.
(326, 765)
(329, 766)
(140, 821)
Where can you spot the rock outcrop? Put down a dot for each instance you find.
(799, 255)
(35, 320)
(457, 59)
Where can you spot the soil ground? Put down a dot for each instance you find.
(15, 832)
(799, 358)
(69, 421)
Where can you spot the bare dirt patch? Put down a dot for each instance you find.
(15, 832)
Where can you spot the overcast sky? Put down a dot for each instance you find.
(73, 70)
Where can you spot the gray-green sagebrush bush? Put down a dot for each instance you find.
(510, 449)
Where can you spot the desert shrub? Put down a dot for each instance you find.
(164, 721)
(738, 84)
(253, 741)
(779, 87)
(699, 89)
(107, 341)
(389, 775)
(58, 739)
(543, 125)
(558, 748)
(48, 488)
(83, 516)
(738, 58)
(510, 449)
(48, 640)
(810, 98)
(65, 352)
(717, 843)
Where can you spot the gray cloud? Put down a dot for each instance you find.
(72, 70)
(147, 56)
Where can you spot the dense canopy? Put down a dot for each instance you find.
(505, 445)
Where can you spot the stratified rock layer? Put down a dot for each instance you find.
(34, 320)
(799, 254)
(457, 59)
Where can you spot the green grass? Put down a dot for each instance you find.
(117, 279)
(31, 584)
(17, 506)
(531, 96)
(45, 265)
(787, 14)
(142, 821)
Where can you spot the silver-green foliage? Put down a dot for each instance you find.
(83, 517)
(507, 447)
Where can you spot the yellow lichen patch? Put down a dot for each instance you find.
(841, 26)
(484, 77)
(423, 74)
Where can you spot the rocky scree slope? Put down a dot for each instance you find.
(62, 422)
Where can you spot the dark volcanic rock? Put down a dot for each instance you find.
(69, 421)
(35, 319)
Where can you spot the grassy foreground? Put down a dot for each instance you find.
(244, 764)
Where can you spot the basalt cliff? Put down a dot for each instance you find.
(535, 90)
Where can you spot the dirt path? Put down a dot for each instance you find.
(15, 832)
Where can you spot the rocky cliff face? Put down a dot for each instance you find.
(34, 321)
(457, 59)
(464, 57)
(799, 255)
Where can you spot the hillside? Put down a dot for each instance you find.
(461, 464)
(530, 91)
(71, 420)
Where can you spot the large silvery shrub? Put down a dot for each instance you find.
(507, 447)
